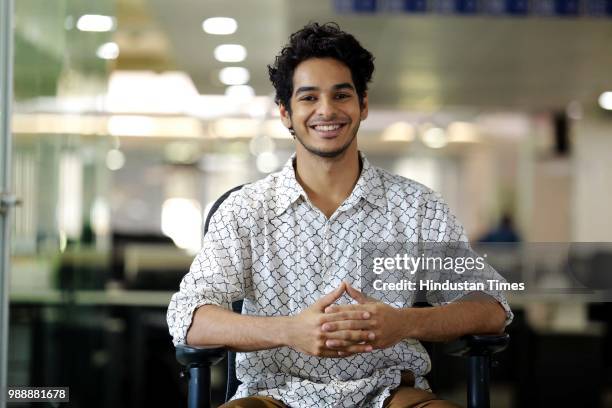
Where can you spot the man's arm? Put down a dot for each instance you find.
(470, 315)
(214, 325)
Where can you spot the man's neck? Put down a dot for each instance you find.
(327, 181)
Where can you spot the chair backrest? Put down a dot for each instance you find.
(232, 380)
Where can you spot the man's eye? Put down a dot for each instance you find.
(343, 96)
(307, 98)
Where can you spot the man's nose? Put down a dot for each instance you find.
(326, 108)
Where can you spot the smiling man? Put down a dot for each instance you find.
(289, 246)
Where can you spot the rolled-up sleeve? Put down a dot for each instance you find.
(218, 274)
(440, 226)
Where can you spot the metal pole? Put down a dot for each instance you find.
(6, 199)
(478, 381)
(199, 383)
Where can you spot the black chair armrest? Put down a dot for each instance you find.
(199, 355)
(477, 345)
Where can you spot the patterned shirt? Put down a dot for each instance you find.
(270, 246)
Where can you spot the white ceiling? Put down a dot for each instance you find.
(423, 62)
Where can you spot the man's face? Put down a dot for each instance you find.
(325, 109)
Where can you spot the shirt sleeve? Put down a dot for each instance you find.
(217, 274)
(441, 228)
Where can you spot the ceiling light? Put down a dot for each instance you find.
(267, 162)
(239, 91)
(605, 100)
(234, 75)
(220, 25)
(108, 51)
(462, 132)
(115, 159)
(131, 125)
(398, 132)
(170, 92)
(96, 22)
(435, 138)
(230, 53)
(234, 127)
(181, 220)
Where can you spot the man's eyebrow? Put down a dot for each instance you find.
(344, 85)
(306, 89)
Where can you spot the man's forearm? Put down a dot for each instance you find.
(448, 322)
(214, 325)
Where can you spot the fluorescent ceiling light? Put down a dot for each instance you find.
(605, 100)
(435, 138)
(170, 92)
(462, 132)
(267, 162)
(398, 132)
(115, 159)
(239, 91)
(131, 125)
(220, 25)
(108, 51)
(96, 23)
(234, 75)
(181, 220)
(154, 126)
(234, 128)
(230, 53)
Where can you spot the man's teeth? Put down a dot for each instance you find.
(327, 128)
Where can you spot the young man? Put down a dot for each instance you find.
(289, 245)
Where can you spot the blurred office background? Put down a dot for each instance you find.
(132, 116)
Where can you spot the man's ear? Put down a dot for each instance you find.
(285, 116)
(364, 107)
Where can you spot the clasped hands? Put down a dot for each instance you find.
(326, 329)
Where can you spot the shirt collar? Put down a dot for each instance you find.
(369, 187)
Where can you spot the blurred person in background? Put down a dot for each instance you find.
(288, 245)
(503, 232)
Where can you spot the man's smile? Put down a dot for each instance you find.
(328, 130)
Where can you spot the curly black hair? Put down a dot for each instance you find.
(320, 41)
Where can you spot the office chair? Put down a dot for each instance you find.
(197, 360)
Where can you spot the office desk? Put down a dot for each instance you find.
(110, 346)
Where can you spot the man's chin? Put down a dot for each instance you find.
(329, 152)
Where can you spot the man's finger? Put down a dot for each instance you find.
(352, 336)
(331, 297)
(357, 295)
(349, 325)
(345, 315)
(359, 348)
(343, 308)
(339, 344)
